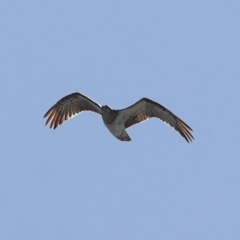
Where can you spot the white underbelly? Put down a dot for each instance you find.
(115, 128)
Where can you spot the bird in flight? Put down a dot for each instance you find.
(116, 121)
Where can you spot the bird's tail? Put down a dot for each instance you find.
(124, 137)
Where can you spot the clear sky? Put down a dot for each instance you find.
(79, 182)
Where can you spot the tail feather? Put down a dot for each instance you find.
(124, 137)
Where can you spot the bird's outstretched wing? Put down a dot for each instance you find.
(146, 108)
(68, 107)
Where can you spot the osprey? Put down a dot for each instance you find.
(117, 121)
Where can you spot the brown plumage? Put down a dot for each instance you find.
(68, 107)
(146, 108)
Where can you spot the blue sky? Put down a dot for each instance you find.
(79, 182)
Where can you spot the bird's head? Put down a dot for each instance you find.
(106, 109)
(108, 114)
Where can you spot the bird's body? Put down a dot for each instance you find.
(117, 121)
(112, 120)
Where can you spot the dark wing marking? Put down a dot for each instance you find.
(68, 107)
(146, 108)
